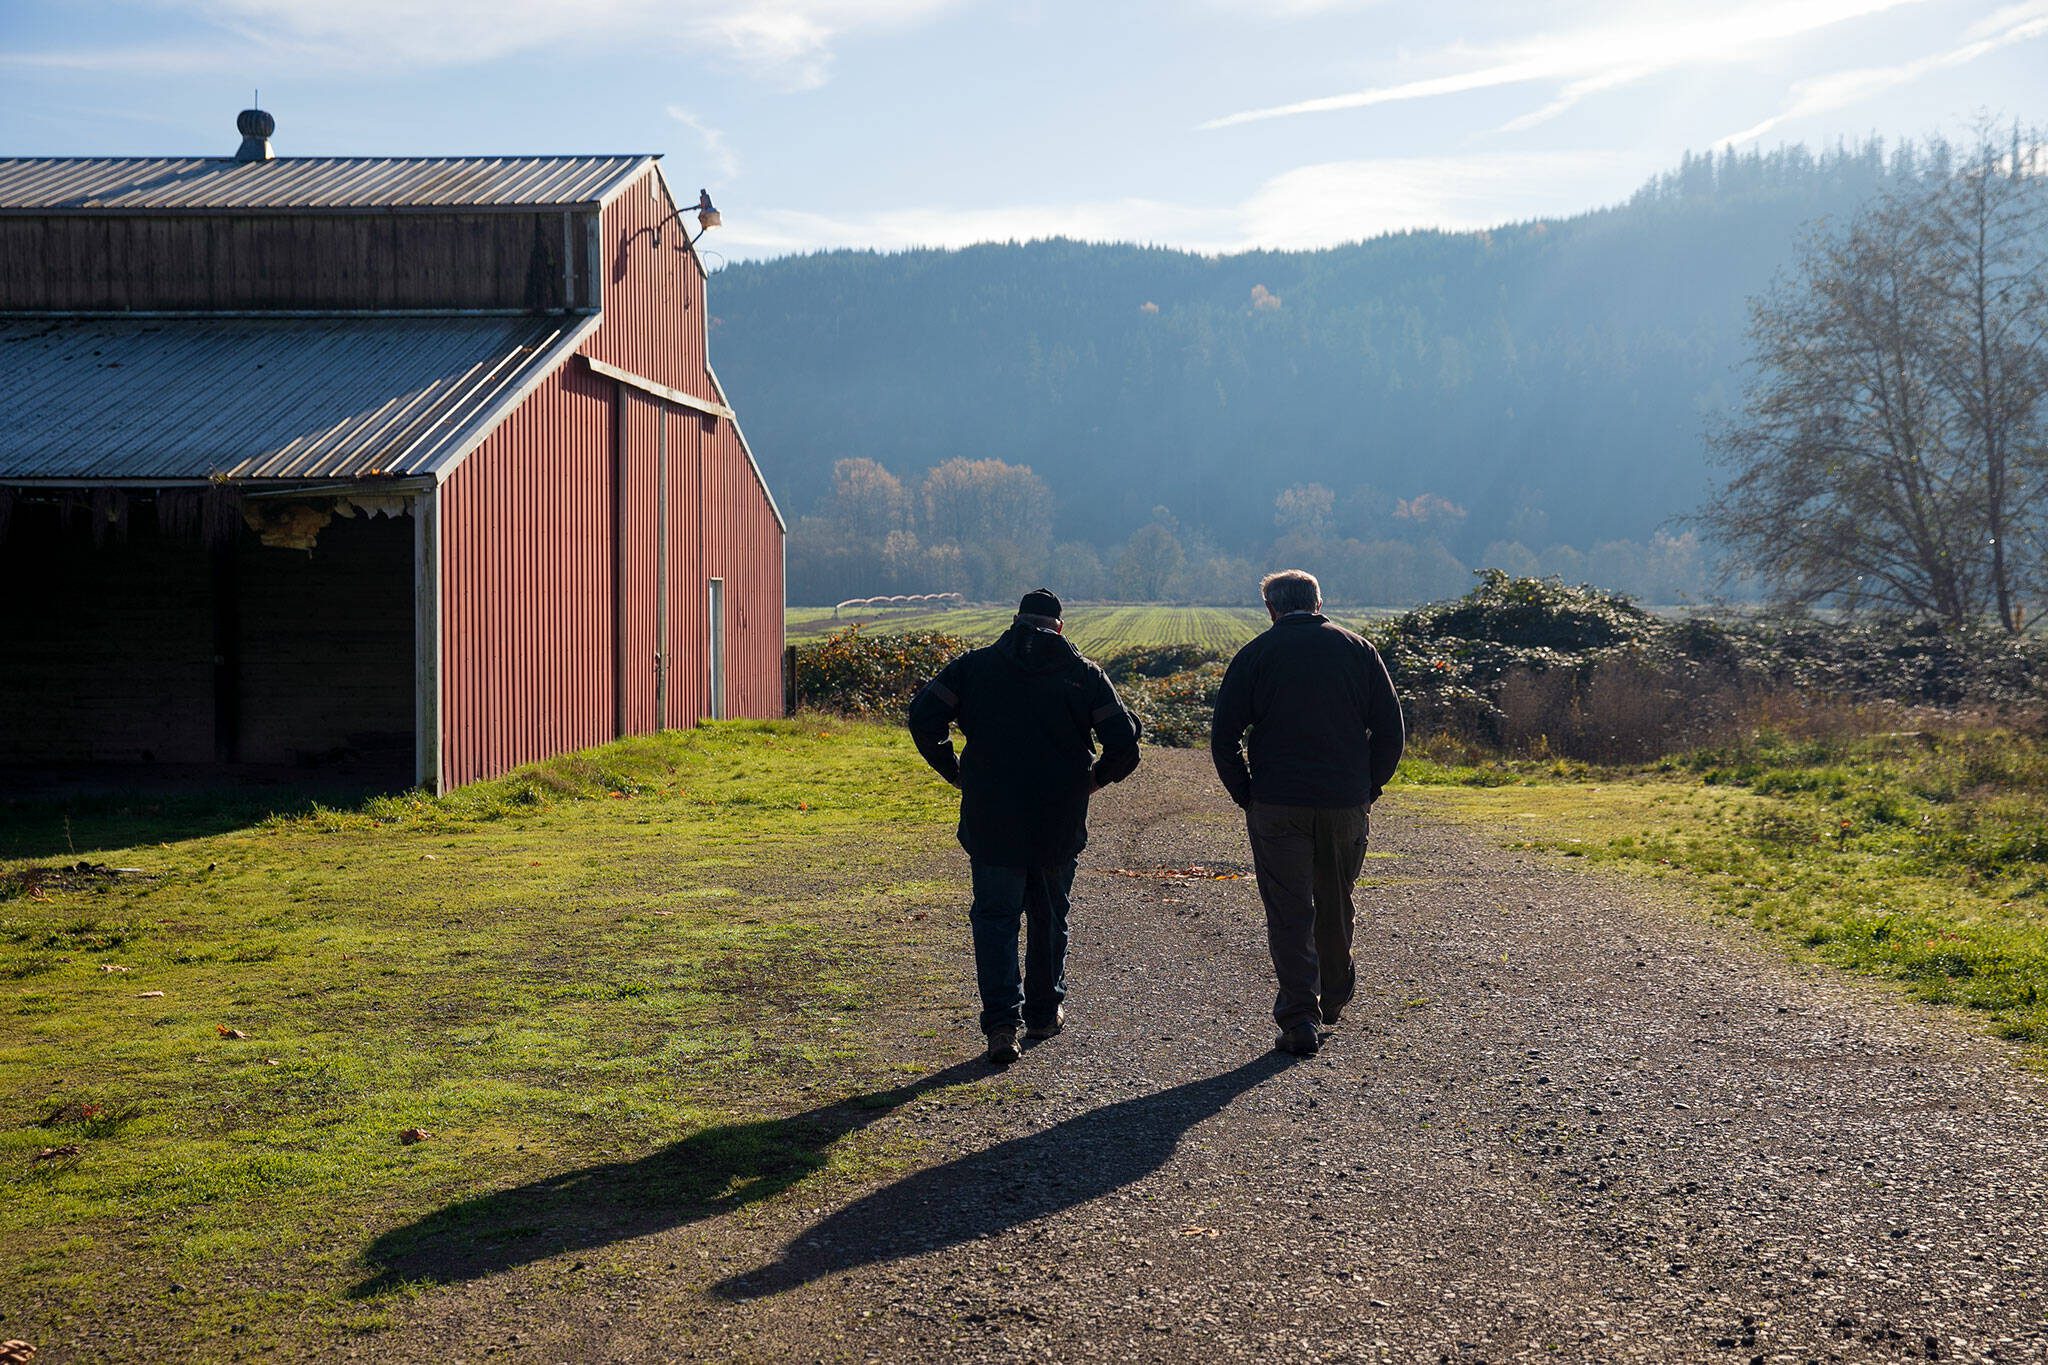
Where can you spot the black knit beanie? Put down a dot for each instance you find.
(1040, 602)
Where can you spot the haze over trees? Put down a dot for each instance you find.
(1894, 452)
(1395, 413)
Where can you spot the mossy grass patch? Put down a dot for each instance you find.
(1919, 856)
(278, 1044)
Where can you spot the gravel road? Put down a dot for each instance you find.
(1565, 1119)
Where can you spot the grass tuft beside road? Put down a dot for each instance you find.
(1920, 857)
(669, 940)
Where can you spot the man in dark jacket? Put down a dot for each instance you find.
(1326, 736)
(1031, 708)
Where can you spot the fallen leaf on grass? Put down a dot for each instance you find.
(57, 1153)
(412, 1135)
(224, 1031)
(149, 995)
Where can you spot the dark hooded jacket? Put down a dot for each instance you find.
(1325, 722)
(1031, 708)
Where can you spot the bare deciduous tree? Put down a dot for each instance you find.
(1892, 451)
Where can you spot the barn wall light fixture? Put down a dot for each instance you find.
(707, 219)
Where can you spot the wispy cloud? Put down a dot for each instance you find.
(2013, 24)
(789, 42)
(1310, 206)
(1588, 61)
(155, 59)
(718, 153)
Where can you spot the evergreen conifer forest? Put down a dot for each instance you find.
(1398, 412)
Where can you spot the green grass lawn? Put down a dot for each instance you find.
(1920, 858)
(671, 938)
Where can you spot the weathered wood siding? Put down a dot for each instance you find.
(121, 263)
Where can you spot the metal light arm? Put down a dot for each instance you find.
(707, 219)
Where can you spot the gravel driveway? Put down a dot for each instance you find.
(1564, 1120)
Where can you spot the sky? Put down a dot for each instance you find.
(1215, 125)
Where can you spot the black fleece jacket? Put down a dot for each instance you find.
(1325, 724)
(1031, 708)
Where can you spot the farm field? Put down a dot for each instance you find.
(1093, 629)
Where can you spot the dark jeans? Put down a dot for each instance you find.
(1039, 894)
(1307, 859)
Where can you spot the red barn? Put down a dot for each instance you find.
(414, 465)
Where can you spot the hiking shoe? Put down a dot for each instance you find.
(1303, 1040)
(1002, 1046)
(1040, 1032)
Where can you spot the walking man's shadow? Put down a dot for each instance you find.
(1006, 1185)
(710, 1172)
(726, 1167)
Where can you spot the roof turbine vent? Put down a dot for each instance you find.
(255, 126)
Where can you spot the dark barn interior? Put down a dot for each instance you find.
(159, 629)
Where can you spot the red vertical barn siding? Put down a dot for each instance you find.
(653, 295)
(639, 491)
(743, 545)
(721, 523)
(527, 584)
(688, 700)
(550, 535)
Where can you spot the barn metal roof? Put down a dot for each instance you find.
(309, 184)
(263, 398)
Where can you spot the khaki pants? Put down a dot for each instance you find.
(1307, 859)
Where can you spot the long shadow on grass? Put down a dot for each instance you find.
(70, 821)
(711, 1172)
(1006, 1185)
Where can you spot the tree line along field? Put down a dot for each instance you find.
(1093, 629)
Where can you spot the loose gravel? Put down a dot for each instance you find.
(1566, 1118)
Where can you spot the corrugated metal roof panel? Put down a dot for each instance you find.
(253, 398)
(205, 184)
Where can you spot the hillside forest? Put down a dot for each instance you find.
(1136, 423)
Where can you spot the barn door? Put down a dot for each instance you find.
(717, 650)
(639, 518)
(661, 641)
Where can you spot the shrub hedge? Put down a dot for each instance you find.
(1526, 664)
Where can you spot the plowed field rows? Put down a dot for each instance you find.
(1095, 630)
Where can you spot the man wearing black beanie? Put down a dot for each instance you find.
(1031, 708)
